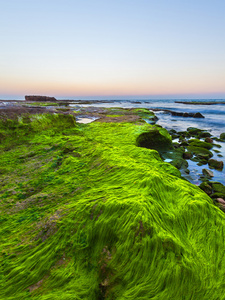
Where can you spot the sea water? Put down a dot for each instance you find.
(213, 122)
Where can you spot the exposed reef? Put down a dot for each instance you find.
(180, 114)
(200, 102)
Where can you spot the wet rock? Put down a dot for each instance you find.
(184, 143)
(184, 134)
(180, 114)
(215, 164)
(217, 151)
(193, 131)
(176, 145)
(205, 134)
(198, 143)
(179, 163)
(208, 140)
(217, 145)
(200, 152)
(187, 155)
(207, 173)
(206, 188)
(217, 195)
(198, 115)
(218, 187)
(220, 200)
(171, 131)
(154, 139)
(222, 136)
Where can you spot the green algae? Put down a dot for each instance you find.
(87, 214)
(201, 144)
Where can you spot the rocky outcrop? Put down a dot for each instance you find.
(181, 114)
(40, 98)
(200, 102)
(215, 164)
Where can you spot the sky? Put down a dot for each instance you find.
(112, 49)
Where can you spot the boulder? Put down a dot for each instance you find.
(205, 134)
(206, 188)
(208, 140)
(222, 136)
(216, 164)
(218, 187)
(187, 155)
(207, 173)
(157, 139)
(220, 200)
(198, 115)
(198, 143)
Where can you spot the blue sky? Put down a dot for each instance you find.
(112, 48)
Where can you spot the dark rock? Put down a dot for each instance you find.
(179, 163)
(184, 143)
(201, 102)
(205, 134)
(40, 98)
(216, 164)
(208, 140)
(198, 143)
(176, 145)
(218, 187)
(222, 136)
(198, 115)
(217, 151)
(202, 153)
(180, 114)
(207, 173)
(206, 188)
(153, 139)
(194, 131)
(187, 155)
(217, 145)
(217, 195)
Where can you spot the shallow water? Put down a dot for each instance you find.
(214, 122)
(85, 120)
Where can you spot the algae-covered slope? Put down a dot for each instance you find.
(87, 214)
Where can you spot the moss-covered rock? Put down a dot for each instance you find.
(218, 187)
(200, 152)
(216, 164)
(193, 131)
(206, 187)
(187, 155)
(217, 195)
(222, 136)
(156, 138)
(198, 143)
(196, 132)
(92, 216)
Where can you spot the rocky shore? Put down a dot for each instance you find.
(95, 211)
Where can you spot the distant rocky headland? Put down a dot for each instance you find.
(40, 98)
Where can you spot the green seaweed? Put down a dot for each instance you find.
(87, 214)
